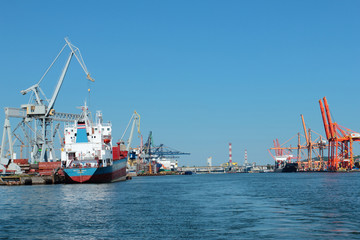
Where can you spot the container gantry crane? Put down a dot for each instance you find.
(340, 139)
(315, 147)
(152, 153)
(309, 152)
(163, 151)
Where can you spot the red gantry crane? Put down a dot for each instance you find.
(340, 139)
(311, 151)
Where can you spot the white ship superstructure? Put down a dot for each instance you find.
(87, 143)
(88, 155)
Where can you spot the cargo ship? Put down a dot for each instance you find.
(88, 155)
(283, 164)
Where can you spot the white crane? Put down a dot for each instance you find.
(41, 110)
(135, 118)
(36, 88)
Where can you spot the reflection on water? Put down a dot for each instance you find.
(221, 206)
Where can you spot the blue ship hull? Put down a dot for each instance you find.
(113, 173)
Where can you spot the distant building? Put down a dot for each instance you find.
(209, 161)
(227, 164)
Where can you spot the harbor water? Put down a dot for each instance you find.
(209, 206)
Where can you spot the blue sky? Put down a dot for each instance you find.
(200, 73)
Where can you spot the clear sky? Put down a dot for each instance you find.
(200, 73)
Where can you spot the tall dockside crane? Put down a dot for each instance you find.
(315, 147)
(38, 116)
(135, 119)
(340, 141)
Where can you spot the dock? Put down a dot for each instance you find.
(31, 180)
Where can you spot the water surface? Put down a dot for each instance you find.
(217, 206)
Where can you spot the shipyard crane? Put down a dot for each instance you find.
(135, 119)
(146, 150)
(39, 115)
(340, 141)
(154, 153)
(160, 151)
(283, 152)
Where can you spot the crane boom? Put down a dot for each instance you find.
(280, 151)
(135, 118)
(58, 86)
(79, 58)
(331, 126)
(276, 150)
(73, 52)
(305, 131)
(35, 89)
(326, 126)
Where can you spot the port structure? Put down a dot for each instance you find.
(149, 154)
(340, 156)
(162, 151)
(135, 120)
(310, 152)
(37, 127)
(315, 150)
(282, 153)
(230, 167)
(152, 151)
(247, 165)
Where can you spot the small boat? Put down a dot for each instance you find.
(88, 155)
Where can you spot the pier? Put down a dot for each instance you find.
(31, 180)
(221, 169)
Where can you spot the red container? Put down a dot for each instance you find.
(49, 165)
(45, 172)
(116, 153)
(21, 161)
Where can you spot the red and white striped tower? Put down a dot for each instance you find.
(230, 155)
(245, 162)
